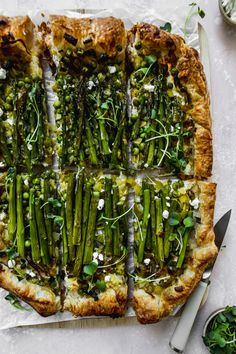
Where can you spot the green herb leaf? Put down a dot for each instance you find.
(167, 27)
(101, 285)
(90, 269)
(14, 301)
(104, 105)
(172, 237)
(174, 219)
(54, 202)
(201, 13)
(150, 59)
(192, 4)
(12, 252)
(58, 220)
(188, 222)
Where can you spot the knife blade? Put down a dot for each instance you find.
(182, 331)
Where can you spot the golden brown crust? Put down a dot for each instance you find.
(152, 308)
(103, 35)
(172, 48)
(41, 298)
(112, 302)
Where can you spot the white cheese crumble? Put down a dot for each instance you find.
(2, 216)
(107, 278)
(30, 147)
(30, 273)
(3, 74)
(195, 203)
(112, 69)
(91, 84)
(147, 261)
(95, 255)
(11, 263)
(168, 204)
(167, 198)
(100, 257)
(101, 204)
(165, 214)
(1, 112)
(149, 88)
(134, 112)
(146, 165)
(188, 169)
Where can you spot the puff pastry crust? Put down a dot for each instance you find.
(103, 35)
(172, 48)
(20, 42)
(152, 308)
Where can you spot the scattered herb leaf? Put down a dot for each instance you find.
(14, 301)
(90, 269)
(167, 27)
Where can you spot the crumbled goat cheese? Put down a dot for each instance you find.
(95, 255)
(2, 216)
(91, 84)
(168, 204)
(3, 74)
(107, 278)
(165, 214)
(11, 263)
(101, 204)
(1, 112)
(112, 69)
(195, 203)
(100, 257)
(149, 88)
(147, 261)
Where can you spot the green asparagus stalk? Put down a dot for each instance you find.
(77, 229)
(93, 154)
(116, 231)
(12, 206)
(153, 222)
(116, 146)
(44, 251)
(33, 228)
(20, 231)
(88, 251)
(161, 142)
(64, 237)
(104, 137)
(86, 208)
(146, 210)
(159, 231)
(183, 250)
(69, 214)
(4, 148)
(108, 214)
(169, 230)
(48, 222)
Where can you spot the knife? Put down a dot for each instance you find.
(182, 331)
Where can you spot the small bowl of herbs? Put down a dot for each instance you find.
(219, 333)
(228, 11)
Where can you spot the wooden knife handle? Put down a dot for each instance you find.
(181, 333)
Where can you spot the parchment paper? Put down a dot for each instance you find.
(158, 15)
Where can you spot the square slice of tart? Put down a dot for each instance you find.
(95, 233)
(174, 243)
(88, 56)
(29, 239)
(24, 125)
(170, 109)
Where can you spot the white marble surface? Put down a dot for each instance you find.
(126, 336)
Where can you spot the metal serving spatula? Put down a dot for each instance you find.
(182, 331)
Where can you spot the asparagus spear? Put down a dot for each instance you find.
(183, 250)
(116, 230)
(12, 206)
(88, 251)
(93, 154)
(69, 214)
(33, 228)
(116, 146)
(86, 208)
(104, 137)
(146, 209)
(20, 231)
(48, 222)
(42, 232)
(153, 222)
(77, 229)
(159, 230)
(108, 214)
(64, 236)
(168, 230)
(161, 142)
(6, 152)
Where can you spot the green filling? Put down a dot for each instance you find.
(163, 224)
(160, 129)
